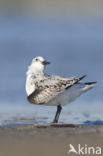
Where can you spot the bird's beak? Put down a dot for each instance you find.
(45, 62)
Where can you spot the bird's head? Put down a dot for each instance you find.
(38, 64)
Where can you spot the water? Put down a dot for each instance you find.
(74, 48)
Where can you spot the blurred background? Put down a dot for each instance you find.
(68, 33)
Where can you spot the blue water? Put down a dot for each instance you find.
(74, 48)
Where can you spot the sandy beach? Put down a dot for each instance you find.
(30, 140)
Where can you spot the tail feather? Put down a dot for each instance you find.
(90, 83)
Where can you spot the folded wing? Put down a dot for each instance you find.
(50, 88)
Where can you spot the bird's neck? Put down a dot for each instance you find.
(34, 71)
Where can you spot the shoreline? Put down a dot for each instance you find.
(31, 140)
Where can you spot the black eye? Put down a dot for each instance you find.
(36, 59)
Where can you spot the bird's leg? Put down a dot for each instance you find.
(59, 108)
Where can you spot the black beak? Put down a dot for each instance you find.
(45, 62)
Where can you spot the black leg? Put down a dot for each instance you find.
(59, 108)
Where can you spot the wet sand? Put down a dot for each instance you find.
(30, 140)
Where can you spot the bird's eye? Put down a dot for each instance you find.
(36, 59)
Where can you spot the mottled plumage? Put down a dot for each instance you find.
(49, 87)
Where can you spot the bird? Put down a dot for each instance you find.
(52, 90)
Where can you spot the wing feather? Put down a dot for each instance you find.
(50, 88)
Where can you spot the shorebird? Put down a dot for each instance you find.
(52, 90)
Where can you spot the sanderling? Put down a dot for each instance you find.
(52, 90)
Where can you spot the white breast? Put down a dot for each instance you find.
(30, 86)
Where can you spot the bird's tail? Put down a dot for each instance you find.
(88, 85)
